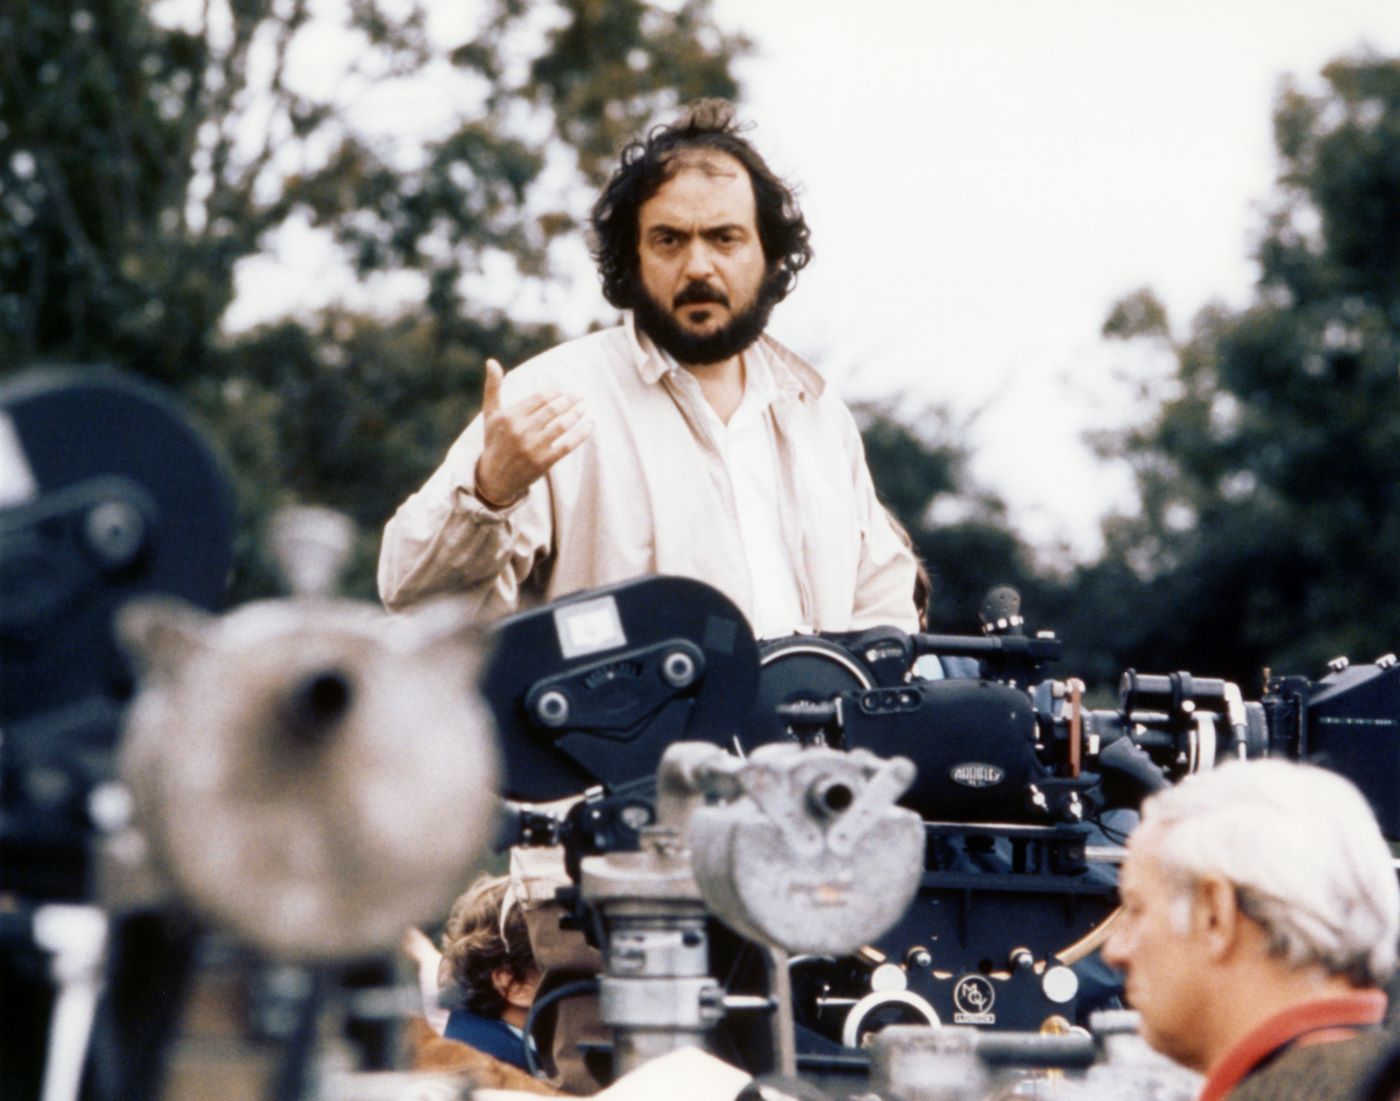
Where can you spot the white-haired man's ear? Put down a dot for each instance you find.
(1216, 916)
(514, 991)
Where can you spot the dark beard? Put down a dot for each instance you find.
(694, 349)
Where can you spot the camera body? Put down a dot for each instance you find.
(1008, 820)
(108, 493)
(1025, 792)
(1348, 721)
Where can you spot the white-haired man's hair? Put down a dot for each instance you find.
(1305, 854)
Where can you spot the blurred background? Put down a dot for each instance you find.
(1114, 289)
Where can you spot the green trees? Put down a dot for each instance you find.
(1268, 534)
(142, 160)
(960, 530)
(1270, 482)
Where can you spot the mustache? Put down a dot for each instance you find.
(694, 294)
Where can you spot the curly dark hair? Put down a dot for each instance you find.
(647, 164)
(473, 948)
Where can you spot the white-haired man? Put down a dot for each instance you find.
(1260, 920)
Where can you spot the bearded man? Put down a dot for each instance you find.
(684, 441)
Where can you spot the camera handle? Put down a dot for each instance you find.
(656, 993)
(75, 937)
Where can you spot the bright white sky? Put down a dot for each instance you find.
(983, 180)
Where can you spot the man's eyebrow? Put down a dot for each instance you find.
(707, 231)
(716, 228)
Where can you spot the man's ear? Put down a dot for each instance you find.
(514, 991)
(1216, 915)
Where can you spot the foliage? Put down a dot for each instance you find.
(961, 532)
(1270, 483)
(610, 68)
(351, 413)
(141, 159)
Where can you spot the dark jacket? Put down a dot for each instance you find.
(1318, 1050)
(486, 1034)
(1318, 1072)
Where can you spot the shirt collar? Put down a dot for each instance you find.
(791, 374)
(1358, 1010)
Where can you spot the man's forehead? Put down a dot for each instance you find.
(692, 193)
(708, 162)
(1142, 862)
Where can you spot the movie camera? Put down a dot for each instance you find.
(281, 779)
(1023, 792)
(107, 494)
(793, 848)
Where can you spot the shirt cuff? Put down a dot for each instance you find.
(467, 501)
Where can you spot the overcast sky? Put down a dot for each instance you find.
(984, 179)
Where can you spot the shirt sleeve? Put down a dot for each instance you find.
(444, 540)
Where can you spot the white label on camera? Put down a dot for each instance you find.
(977, 774)
(588, 627)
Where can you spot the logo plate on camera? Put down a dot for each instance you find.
(973, 998)
(977, 774)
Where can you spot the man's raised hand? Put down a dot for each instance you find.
(523, 440)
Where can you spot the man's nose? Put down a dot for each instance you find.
(1113, 953)
(699, 261)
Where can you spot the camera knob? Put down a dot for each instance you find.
(1060, 984)
(1337, 665)
(679, 669)
(115, 532)
(552, 708)
(889, 976)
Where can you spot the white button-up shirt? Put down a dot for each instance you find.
(650, 491)
(749, 452)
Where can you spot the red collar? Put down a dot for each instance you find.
(1359, 1010)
